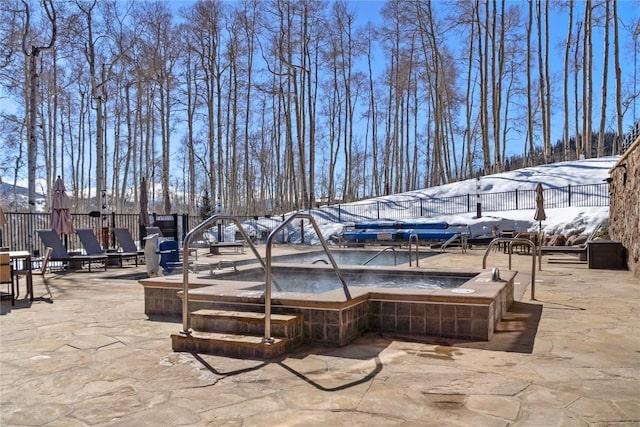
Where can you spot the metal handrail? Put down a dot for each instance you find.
(463, 242)
(388, 248)
(513, 240)
(412, 237)
(267, 291)
(186, 318)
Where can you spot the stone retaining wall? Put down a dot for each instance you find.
(624, 215)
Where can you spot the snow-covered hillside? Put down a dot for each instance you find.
(562, 220)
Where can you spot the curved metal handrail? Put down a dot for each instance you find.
(388, 248)
(186, 318)
(511, 241)
(267, 291)
(412, 237)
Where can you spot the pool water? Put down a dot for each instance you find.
(353, 257)
(319, 281)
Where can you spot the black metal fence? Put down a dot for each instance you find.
(20, 231)
(419, 206)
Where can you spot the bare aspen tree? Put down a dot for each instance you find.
(343, 19)
(605, 70)
(483, 42)
(98, 95)
(567, 49)
(31, 50)
(546, 111)
(437, 93)
(101, 63)
(618, 97)
(205, 29)
(576, 74)
(469, 131)
(586, 81)
(334, 115)
(249, 16)
(191, 95)
(530, 136)
(543, 36)
(165, 58)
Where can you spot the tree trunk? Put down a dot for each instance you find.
(605, 68)
(616, 53)
(565, 145)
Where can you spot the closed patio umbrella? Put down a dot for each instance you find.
(61, 220)
(539, 216)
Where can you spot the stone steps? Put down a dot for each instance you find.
(239, 334)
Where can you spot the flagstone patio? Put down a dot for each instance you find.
(90, 356)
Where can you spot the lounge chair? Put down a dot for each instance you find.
(92, 247)
(125, 240)
(580, 250)
(51, 239)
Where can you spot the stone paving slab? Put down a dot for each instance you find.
(90, 357)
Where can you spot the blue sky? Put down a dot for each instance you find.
(628, 10)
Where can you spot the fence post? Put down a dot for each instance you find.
(421, 211)
(378, 208)
(468, 202)
(339, 213)
(113, 225)
(185, 224)
(175, 227)
(569, 189)
(516, 199)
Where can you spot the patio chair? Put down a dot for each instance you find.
(6, 275)
(92, 247)
(51, 239)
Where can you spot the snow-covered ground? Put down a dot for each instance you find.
(560, 220)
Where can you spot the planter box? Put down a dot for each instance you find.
(606, 254)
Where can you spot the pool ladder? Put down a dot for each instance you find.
(186, 314)
(267, 291)
(388, 248)
(413, 237)
(511, 240)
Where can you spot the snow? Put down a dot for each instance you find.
(560, 220)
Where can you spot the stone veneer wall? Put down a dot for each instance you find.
(624, 214)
